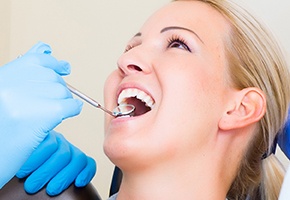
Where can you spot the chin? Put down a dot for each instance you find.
(121, 154)
(115, 150)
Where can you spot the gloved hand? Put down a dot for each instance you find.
(58, 163)
(33, 101)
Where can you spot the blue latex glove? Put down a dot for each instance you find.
(33, 101)
(58, 163)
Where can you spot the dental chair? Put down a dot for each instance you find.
(14, 190)
(116, 181)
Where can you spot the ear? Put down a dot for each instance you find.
(249, 107)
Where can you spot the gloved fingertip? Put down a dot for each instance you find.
(55, 189)
(31, 188)
(86, 176)
(65, 68)
(53, 192)
(80, 104)
(40, 47)
(79, 182)
(21, 174)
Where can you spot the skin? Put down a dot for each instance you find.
(198, 118)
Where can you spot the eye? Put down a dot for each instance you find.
(177, 42)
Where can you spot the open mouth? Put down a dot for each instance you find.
(143, 102)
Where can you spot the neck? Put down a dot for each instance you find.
(179, 181)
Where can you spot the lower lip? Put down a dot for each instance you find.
(123, 119)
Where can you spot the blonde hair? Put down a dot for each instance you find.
(256, 60)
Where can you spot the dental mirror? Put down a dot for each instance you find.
(121, 110)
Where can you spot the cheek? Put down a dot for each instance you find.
(190, 98)
(188, 89)
(110, 88)
(195, 81)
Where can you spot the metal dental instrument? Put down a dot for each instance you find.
(121, 110)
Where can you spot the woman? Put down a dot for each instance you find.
(212, 93)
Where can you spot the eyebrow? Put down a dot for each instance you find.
(180, 28)
(137, 34)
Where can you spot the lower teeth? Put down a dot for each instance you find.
(124, 116)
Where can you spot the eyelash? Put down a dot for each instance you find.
(175, 39)
(128, 48)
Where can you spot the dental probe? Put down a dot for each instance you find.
(121, 110)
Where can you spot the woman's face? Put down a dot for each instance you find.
(175, 64)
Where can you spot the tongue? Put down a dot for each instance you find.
(140, 107)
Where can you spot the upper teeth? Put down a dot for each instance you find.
(133, 92)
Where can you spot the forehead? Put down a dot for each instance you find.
(200, 17)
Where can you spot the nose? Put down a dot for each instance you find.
(133, 62)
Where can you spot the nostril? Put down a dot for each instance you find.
(134, 67)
